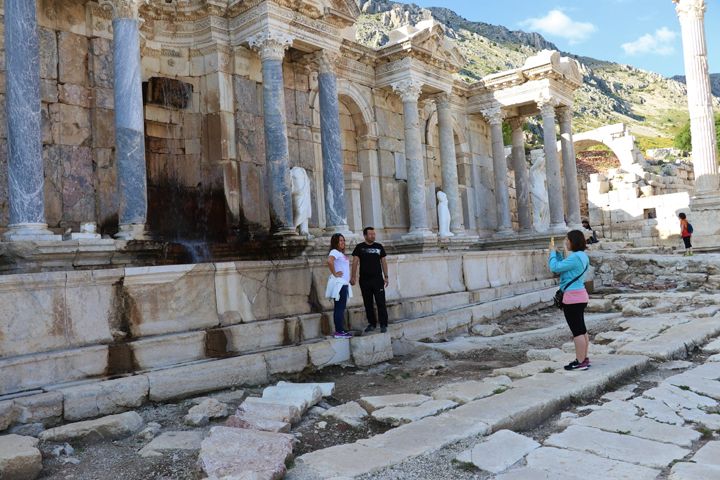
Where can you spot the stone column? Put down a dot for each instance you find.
(271, 46)
(129, 119)
(370, 191)
(353, 184)
(552, 166)
(494, 117)
(572, 193)
(25, 162)
(409, 91)
(702, 125)
(449, 163)
(522, 178)
(330, 138)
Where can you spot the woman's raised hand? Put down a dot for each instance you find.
(551, 246)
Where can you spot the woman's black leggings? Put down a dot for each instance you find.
(575, 317)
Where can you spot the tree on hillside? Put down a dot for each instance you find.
(683, 138)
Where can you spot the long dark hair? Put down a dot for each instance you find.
(577, 240)
(335, 241)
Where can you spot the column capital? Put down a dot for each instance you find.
(564, 113)
(516, 122)
(271, 45)
(494, 114)
(124, 8)
(690, 8)
(326, 60)
(442, 99)
(409, 90)
(547, 104)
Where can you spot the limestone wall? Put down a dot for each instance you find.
(67, 326)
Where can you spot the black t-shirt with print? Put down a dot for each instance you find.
(369, 255)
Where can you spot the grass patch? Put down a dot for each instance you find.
(405, 375)
(547, 370)
(499, 390)
(706, 433)
(683, 387)
(623, 432)
(464, 466)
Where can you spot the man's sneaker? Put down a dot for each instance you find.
(383, 329)
(342, 335)
(370, 328)
(575, 365)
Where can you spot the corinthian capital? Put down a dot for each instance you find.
(547, 104)
(270, 45)
(326, 61)
(690, 8)
(442, 100)
(494, 114)
(124, 8)
(564, 113)
(409, 90)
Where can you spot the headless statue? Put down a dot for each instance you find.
(443, 211)
(302, 205)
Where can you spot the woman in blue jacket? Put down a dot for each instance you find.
(572, 268)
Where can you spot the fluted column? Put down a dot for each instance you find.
(552, 165)
(330, 138)
(409, 91)
(572, 194)
(129, 119)
(522, 178)
(271, 46)
(448, 161)
(494, 117)
(702, 125)
(25, 163)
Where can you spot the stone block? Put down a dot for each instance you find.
(105, 428)
(266, 409)
(287, 360)
(70, 124)
(206, 410)
(171, 441)
(248, 337)
(261, 424)
(333, 351)
(20, 459)
(371, 349)
(77, 186)
(39, 408)
(8, 414)
(301, 395)
(351, 413)
(73, 50)
(370, 404)
(311, 326)
(560, 463)
(48, 54)
(168, 349)
(103, 398)
(171, 298)
(464, 392)
(103, 128)
(101, 63)
(499, 451)
(400, 415)
(74, 95)
(204, 377)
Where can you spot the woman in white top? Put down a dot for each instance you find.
(339, 266)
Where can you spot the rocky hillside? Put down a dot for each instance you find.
(654, 106)
(714, 82)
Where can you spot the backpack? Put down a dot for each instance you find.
(690, 228)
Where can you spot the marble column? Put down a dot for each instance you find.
(330, 138)
(129, 119)
(271, 46)
(702, 125)
(448, 161)
(25, 162)
(572, 194)
(494, 117)
(522, 178)
(552, 165)
(409, 91)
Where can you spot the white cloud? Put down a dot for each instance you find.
(557, 23)
(662, 42)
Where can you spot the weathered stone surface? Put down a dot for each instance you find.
(329, 352)
(20, 458)
(351, 413)
(164, 350)
(73, 52)
(326, 388)
(550, 354)
(499, 451)
(490, 330)
(269, 410)
(399, 415)
(239, 453)
(7, 414)
(712, 347)
(299, 395)
(657, 410)
(398, 400)
(182, 440)
(206, 410)
(287, 359)
(371, 349)
(625, 448)
(39, 408)
(104, 398)
(243, 420)
(528, 369)
(692, 471)
(463, 392)
(709, 454)
(678, 398)
(70, 124)
(110, 427)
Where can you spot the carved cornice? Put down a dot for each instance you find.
(270, 45)
(409, 90)
(690, 8)
(129, 9)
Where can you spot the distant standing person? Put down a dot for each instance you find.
(370, 255)
(338, 287)
(686, 231)
(572, 268)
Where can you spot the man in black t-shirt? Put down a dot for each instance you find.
(373, 278)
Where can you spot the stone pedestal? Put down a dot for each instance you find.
(25, 163)
(271, 46)
(552, 166)
(449, 163)
(522, 178)
(572, 193)
(704, 217)
(502, 194)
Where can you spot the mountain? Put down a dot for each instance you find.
(714, 82)
(653, 106)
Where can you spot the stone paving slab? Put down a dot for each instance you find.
(657, 410)
(112, 426)
(697, 384)
(528, 369)
(254, 423)
(615, 446)
(399, 415)
(398, 400)
(255, 407)
(499, 451)
(301, 396)
(464, 392)
(693, 471)
(677, 398)
(709, 454)
(351, 413)
(182, 440)
(676, 341)
(20, 458)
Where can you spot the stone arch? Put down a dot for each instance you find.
(616, 137)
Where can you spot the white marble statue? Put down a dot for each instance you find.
(302, 205)
(443, 215)
(538, 192)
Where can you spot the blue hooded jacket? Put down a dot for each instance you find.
(569, 268)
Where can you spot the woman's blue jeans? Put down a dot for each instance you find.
(339, 311)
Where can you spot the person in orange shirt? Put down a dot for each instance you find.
(686, 231)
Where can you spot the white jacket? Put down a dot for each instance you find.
(334, 285)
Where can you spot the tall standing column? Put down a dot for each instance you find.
(552, 165)
(702, 125)
(494, 117)
(409, 91)
(129, 119)
(569, 167)
(25, 163)
(333, 175)
(448, 161)
(271, 46)
(522, 178)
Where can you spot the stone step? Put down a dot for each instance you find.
(104, 428)
(400, 415)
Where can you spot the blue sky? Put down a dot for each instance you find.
(643, 33)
